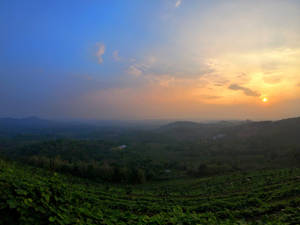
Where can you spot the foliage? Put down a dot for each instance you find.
(35, 196)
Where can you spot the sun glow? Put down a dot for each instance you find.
(265, 99)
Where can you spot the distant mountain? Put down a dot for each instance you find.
(286, 130)
(24, 122)
(27, 124)
(187, 130)
(70, 129)
(181, 125)
(193, 125)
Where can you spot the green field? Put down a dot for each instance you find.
(29, 195)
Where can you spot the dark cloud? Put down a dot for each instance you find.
(221, 83)
(247, 91)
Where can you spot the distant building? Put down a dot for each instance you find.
(218, 136)
(122, 147)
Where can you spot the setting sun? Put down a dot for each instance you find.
(265, 99)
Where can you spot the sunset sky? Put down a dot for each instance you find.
(142, 59)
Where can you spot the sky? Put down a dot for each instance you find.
(158, 59)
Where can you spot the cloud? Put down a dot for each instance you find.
(272, 79)
(178, 3)
(116, 55)
(162, 80)
(134, 70)
(100, 52)
(210, 97)
(140, 68)
(247, 91)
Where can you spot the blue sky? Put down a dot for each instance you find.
(149, 59)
